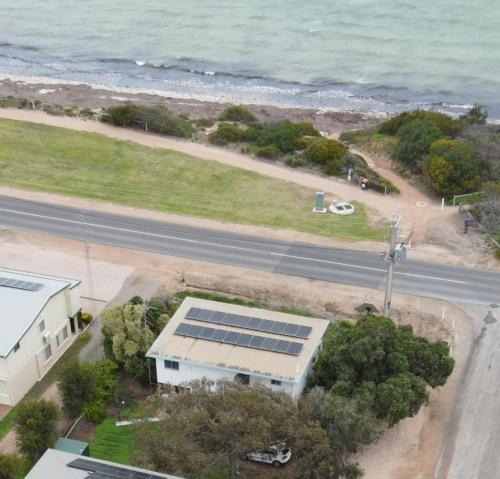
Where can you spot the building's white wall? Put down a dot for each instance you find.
(28, 364)
(189, 372)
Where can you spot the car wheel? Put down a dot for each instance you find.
(276, 464)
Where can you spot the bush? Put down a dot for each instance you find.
(158, 118)
(270, 152)
(205, 122)
(239, 114)
(86, 318)
(86, 113)
(414, 141)
(329, 154)
(10, 466)
(448, 125)
(295, 161)
(284, 135)
(226, 133)
(452, 167)
(308, 129)
(497, 253)
(94, 412)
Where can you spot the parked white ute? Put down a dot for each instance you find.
(276, 454)
(341, 208)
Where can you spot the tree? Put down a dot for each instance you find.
(383, 367)
(77, 385)
(222, 425)
(128, 337)
(35, 425)
(452, 167)
(10, 466)
(414, 141)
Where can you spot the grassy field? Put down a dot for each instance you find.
(63, 161)
(111, 442)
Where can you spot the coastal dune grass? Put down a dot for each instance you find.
(89, 165)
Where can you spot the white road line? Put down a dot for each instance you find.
(240, 248)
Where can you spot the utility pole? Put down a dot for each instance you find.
(391, 258)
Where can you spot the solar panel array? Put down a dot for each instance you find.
(239, 339)
(249, 322)
(20, 284)
(106, 471)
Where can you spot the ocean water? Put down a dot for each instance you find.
(361, 55)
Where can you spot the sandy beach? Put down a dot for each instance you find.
(67, 94)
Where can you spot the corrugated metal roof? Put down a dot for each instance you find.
(20, 307)
(239, 358)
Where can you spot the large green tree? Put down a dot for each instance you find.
(127, 337)
(36, 427)
(221, 425)
(379, 363)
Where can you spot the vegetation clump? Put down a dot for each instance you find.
(239, 114)
(226, 133)
(329, 154)
(157, 118)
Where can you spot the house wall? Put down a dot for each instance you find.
(189, 372)
(28, 364)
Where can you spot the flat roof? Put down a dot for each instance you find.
(19, 308)
(55, 465)
(234, 357)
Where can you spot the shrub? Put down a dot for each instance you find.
(452, 167)
(295, 161)
(414, 141)
(86, 113)
(238, 113)
(329, 154)
(284, 135)
(158, 118)
(56, 110)
(270, 152)
(497, 254)
(94, 412)
(448, 125)
(10, 466)
(85, 318)
(205, 122)
(308, 129)
(226, 133)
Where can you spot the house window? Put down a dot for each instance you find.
(171, 364)
(275, 382)
(47, 352)
(41, 326)
(62, 336)
(17, 346)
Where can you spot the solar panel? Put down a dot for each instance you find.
(248, 322)
(20, 284)
(239, 339)
(107, 471)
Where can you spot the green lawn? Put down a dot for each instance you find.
(89, 165)
(111, 442)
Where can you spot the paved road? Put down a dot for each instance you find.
(317, 262)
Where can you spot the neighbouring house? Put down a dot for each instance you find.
(64, 465)
(38, 322)
(212, 340)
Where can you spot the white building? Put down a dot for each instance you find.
(208, 339)
(38, 321)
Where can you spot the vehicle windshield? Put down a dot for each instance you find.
(348, 207)
(340, 208)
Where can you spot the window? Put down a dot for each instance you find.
(47, 352)
(171, 364)
(62, 336)
(16, 347)
(275, 382)
(41, 326)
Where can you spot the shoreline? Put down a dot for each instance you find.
(73, 93)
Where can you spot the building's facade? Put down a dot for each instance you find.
(64, 465)
(38, 322)
(215, 341)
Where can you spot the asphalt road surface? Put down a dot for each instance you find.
(298, 259)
